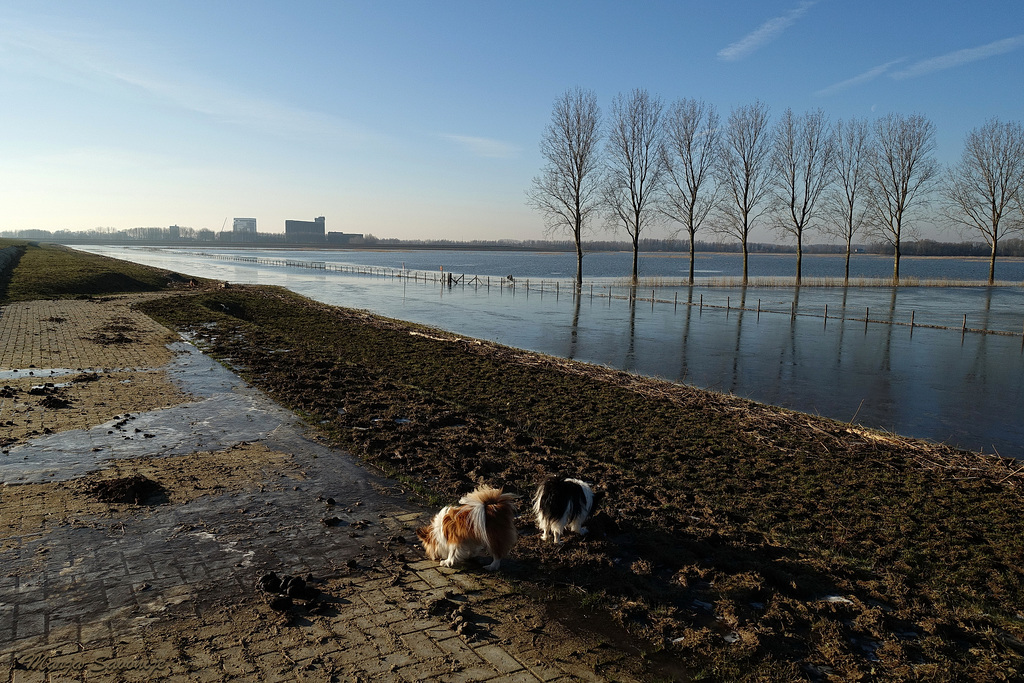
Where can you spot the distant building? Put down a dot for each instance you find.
(344, 237)
(305, 231)
(244, 226)
(174, 232)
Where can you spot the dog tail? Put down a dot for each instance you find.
(493, 518)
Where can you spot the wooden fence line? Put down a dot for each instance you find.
(443, 278)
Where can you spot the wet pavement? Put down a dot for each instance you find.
(225, 412)
(169, 591)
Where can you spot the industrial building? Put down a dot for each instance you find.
(244, 226)
(305, 231)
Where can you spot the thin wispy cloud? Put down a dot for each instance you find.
(239, 109)
(764, 34)
(83, 60)
(960, 57)
(485, 147)
(861, 79)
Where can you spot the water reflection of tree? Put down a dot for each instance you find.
(630, 361)
(739, 340)
(685, 337)
(574, 331)
(791, 362)
(889, 324)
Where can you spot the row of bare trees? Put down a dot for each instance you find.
(800, 174)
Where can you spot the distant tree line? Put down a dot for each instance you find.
(802, 174)
(1010, 247)
(173, 234)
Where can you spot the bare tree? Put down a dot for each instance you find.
(846, 202)
(635, 164)
(692, 147)
(567, 191)
(903, 171)
(802, 164)
(745, 172)
(981, 190)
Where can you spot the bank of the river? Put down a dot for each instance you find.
(894, 358)
(745, 541)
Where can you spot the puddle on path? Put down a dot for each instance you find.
(225, 411)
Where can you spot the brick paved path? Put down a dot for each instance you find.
(105, 592)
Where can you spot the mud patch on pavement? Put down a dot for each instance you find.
(136, 489)
(86, 333)
(33, 406)
(30, 510)
(116, 331)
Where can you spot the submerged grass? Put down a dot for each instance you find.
(768, 282)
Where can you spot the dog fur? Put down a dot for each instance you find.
(482, 524)
(561, 504)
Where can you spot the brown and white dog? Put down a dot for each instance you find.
(482, 524)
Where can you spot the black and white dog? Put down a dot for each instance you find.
(561, 504)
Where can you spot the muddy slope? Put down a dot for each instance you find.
(747, 541)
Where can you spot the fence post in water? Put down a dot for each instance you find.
(701, 303)
(867, 312)
(758, 309)
(652, 299)
(825, 318)
(963, 330)
(675, 302)
(912, 322)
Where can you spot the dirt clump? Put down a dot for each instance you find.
(135, 489)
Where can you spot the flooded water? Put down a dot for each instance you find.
(864, 362)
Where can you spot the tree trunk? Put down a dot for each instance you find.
(636, 254)
(896, 264)
(691, 259)
(579, 263)
(846, 276)
(799, 260)
(992, 264)
(745, 254)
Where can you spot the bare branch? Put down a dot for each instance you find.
(903, 171)
(981, 191)
(567, 190)
(802, 165)
(745, 172)
(635, 164)
(846, 203)
(691, 152)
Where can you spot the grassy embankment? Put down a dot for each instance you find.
(45, 271)
(749, 542)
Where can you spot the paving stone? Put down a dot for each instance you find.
(498, 658)
(106, 581)
(468, 675)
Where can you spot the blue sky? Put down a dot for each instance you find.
(422, 120)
